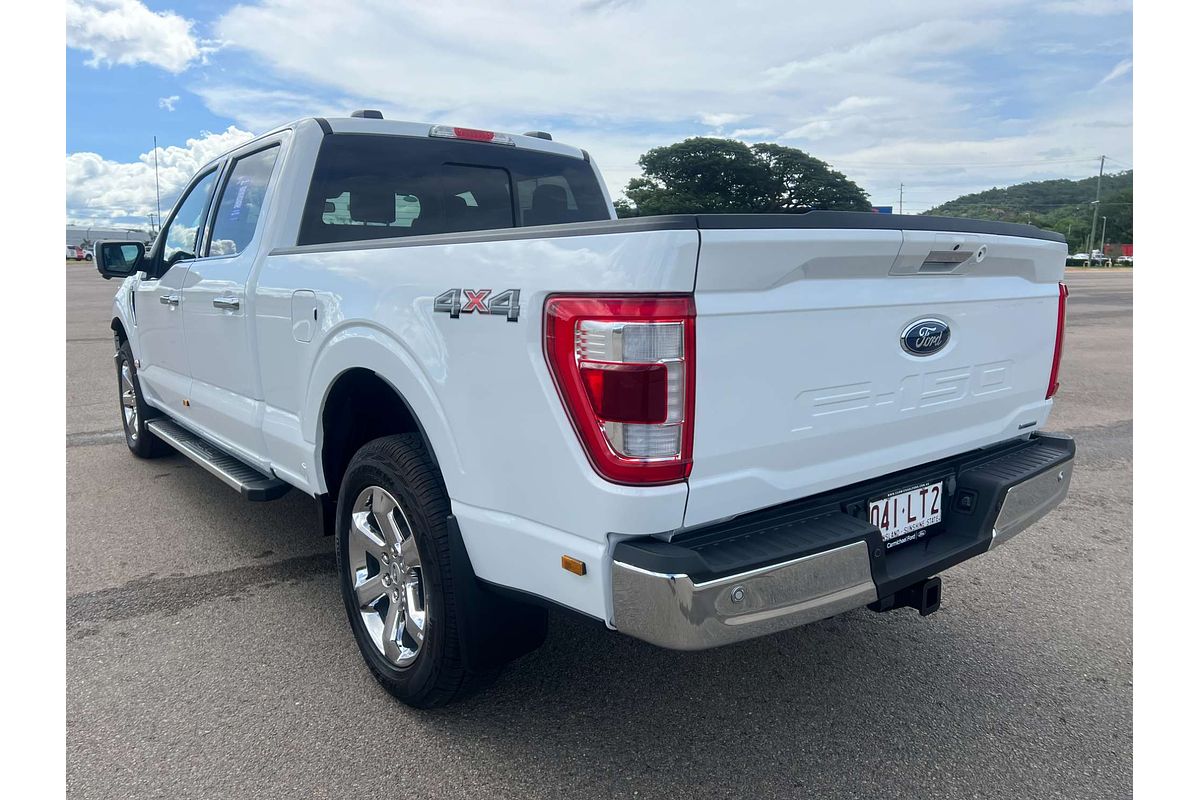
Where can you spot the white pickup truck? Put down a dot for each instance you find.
(695, 429)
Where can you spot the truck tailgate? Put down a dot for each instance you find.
(803, 384)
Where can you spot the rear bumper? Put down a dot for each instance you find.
(803, 561)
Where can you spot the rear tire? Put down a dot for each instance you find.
(396, 576)
(134, 411)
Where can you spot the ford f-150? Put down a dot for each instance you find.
(695, 429)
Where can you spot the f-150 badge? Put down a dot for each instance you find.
(478, 301)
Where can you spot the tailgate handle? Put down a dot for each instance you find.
(945, 260)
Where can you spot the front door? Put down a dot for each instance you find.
(218, 315)
(161, 353)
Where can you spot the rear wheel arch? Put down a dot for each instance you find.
(360, 406)
(374, 359)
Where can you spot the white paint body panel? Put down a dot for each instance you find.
(520, 483)
(159, 341)
(802, 385)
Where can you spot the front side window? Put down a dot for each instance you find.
(241, 202)
(179, 239)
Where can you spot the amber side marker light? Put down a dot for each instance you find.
(574, 565)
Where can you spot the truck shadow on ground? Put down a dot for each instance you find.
(594, 709)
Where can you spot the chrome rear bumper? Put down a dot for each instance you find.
(1029, 501)
(672, 610)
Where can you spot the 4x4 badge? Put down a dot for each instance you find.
(456, 302)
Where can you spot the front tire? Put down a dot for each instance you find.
(394, 567)
(134, 411)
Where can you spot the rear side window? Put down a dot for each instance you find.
(374, 187)
(241, 202)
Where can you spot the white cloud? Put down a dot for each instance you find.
(758, 134)
(1089, 8)
(720, 120)
(856, 103)
(1122, 68)
(126, 32)
(168, 102)
(263, 109)
(103, 191)
(843, 80)
(915, 43)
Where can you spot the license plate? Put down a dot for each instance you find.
(900, 515)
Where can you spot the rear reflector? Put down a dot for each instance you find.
(1052, 388)
(625, 369)
(470, 134)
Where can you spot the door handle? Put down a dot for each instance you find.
(169, 299)
(227, 302)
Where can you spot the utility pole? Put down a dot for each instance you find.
(1103, 235)
(901, 198)
(1095, 209)
(158, 197)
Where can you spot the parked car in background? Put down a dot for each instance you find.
(1126, 261)
(695, 428)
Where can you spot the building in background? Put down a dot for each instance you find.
(86, 236)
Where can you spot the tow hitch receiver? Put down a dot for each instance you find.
(925, 597)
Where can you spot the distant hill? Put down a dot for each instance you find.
(1061, 205)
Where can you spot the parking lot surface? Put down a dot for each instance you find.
(208, 653)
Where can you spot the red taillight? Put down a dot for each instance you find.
(1058, 340)
(625, 369)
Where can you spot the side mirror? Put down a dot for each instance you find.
(119, 259)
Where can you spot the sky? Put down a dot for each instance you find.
(944, 96)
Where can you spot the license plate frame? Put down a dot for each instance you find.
(884, 511)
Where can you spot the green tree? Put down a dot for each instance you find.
(724, 176)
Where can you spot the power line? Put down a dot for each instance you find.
(1016, 204)
(919, 165)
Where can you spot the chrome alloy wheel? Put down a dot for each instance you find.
(129, 401)
(385, 568)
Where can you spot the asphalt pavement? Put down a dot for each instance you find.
(208, 653)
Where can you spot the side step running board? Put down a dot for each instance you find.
(252, 484)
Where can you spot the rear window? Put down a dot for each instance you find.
(375, 187)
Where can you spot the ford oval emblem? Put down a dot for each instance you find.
(925, 337)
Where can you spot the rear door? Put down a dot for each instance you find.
(225, 396)
(805, 382)
(162, 356)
